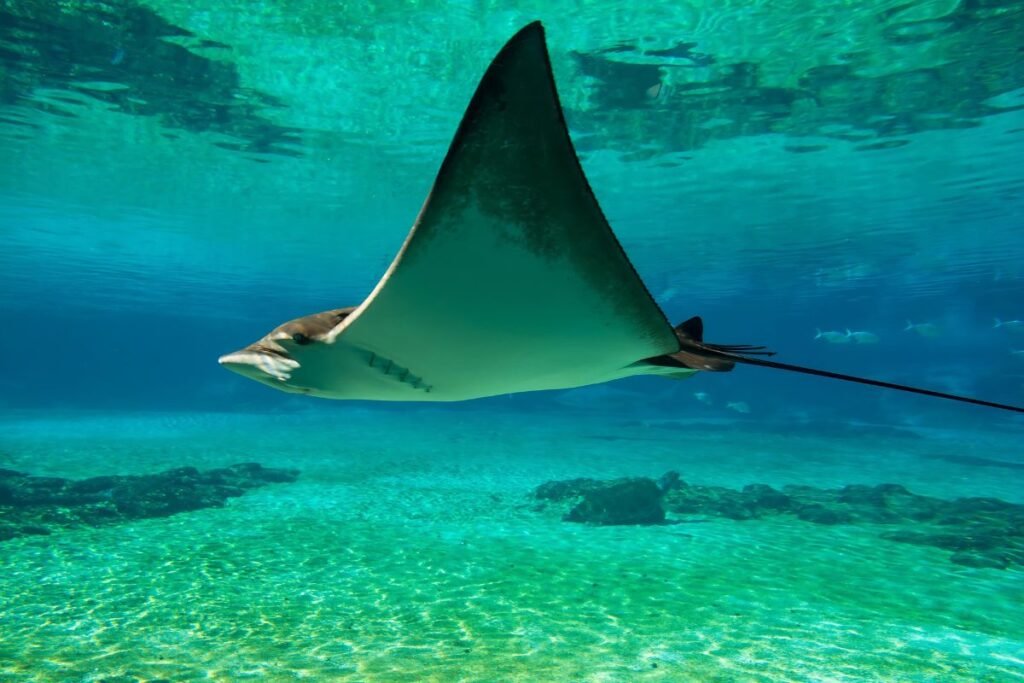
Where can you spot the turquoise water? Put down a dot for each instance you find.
(177, 179)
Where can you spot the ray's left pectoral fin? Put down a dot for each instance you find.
(511, 244)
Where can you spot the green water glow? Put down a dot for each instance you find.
(177, 178)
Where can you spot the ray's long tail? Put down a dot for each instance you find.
(696, 354)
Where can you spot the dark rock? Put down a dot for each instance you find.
(983, 531)
(906, 536)
(45, 483)
(95, 485)
(753, 502)
(735, 509)
(915, 508)
(761, 496)
(624, 501)
(37, 505)
(980, 560)
(688, 500)
(872, 516)
(804, 495)
(977, 506)
(819, 514)
(140, 501)
(858, 494)
(979, 538)
(39, 490)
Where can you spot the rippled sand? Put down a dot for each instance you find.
(408, 550)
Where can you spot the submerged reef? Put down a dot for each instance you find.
(636, 500)
(622, 501)
(981, 532)
(39, 505)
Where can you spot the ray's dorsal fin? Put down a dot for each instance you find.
(691, 329)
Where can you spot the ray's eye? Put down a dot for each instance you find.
(300, 339)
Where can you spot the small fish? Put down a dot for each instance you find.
(703, 397)
(863, 337)
(1012, 325)
(832, 337)
(923, 329)
(738, 406)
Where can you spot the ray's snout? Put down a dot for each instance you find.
(258, 365)
(273, 359)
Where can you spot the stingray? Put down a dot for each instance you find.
(511, 279)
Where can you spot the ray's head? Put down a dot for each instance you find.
(274, 359)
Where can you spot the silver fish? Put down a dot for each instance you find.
(832, 337)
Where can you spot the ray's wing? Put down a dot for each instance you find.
(511, 278)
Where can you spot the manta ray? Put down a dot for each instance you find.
(511, 279)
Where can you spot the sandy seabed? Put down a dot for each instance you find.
(409, 549)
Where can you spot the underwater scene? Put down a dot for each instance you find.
(536, 468)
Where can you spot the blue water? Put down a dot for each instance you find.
(177, 179)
